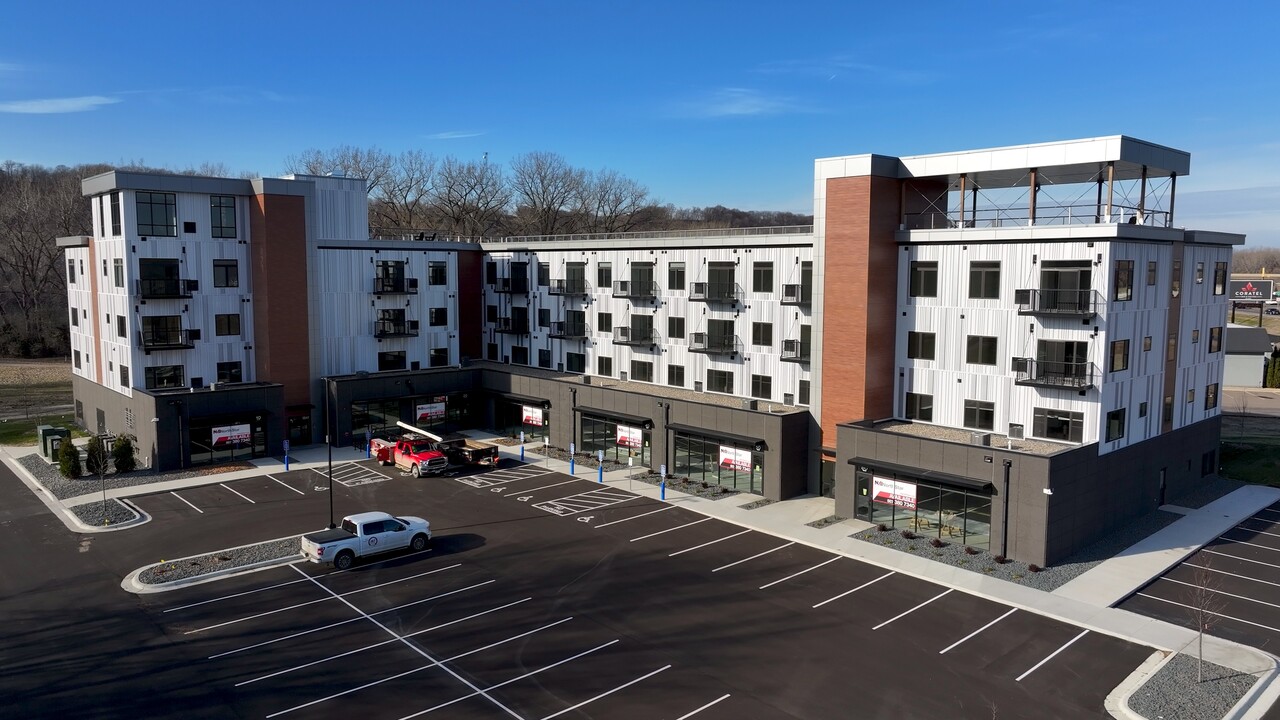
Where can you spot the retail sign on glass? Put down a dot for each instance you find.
(735, 459)
(428, 412)
(893, 492)
(532, 415)
(629, 437)
(231, 435)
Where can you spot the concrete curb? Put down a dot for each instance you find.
(139, 518)
(1117, 702)
(130, 583)
(1258, 700)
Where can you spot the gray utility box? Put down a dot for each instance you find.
(50, 438)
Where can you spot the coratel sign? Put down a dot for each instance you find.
(1251, 290)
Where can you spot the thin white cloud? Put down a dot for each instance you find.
(237, 95)
(455, 134)
(846, 69)
(9, 68)
(740, 102)
(48, 106)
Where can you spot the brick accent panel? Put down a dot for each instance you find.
(860, 300)
(278, 254)
(471, 304)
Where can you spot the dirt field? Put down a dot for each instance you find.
(35, 372)
(34, 388)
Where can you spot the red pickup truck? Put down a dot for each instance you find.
(412, 453)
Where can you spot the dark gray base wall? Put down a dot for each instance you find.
(121, 415)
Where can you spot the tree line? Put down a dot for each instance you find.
(412, 192)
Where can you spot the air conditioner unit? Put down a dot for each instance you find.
(622, 376)
(1015, 431)
(983, 439)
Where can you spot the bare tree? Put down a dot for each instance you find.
(544, 186)
(372, 164)
(471, 197)
(1203, 605)
(404, 198)
(610, 202)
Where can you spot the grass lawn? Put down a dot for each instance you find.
(1253, 460)
(23, 432)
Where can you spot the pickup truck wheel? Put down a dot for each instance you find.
(344, 560)
(416, 471)
(418, 543)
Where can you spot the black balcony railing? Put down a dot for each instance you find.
(714, 344)
(383, 285)
(160, 288)
(570, 287)
(513, 326)
(797, 295)
(395, 328)
(634, 336)
(511, 285)
(574, 330)
(715, 292)
(1054, 374)
(635, 289)
(168, 339)
(795, 351)
(1058, 303)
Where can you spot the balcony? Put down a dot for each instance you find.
(383, 285)
(169, 339)
(166, 288)
(570, 287)
(1054, 374)
(715, 292)
(512, 326)
(714, 344)
(511, 285)
(636, 289)
(634, 336)
(569, 330)
(1058, 303)
(795, 351)
(797, 295)
(395, 328)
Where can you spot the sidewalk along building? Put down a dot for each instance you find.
(956, 337)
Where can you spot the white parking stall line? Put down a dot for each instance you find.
(1236, 557)
(547, 487)
(225, 486)
(1223, 592)
(427, 656)
(1228, 617)
(704, 707)
(287, 485)
(608, 693)
(1051, 655)
(490, 479)
(662, 532)
(1242, 528)
(591, 500)
(633, 517)
(320, 600)
(348, 620)
(1237, 575)
(975, 632)
(849, 592)
(508, 682)
(753, 557)
(188, 502)
(713, 542)
(233, 595)
(815, 567)
(1242, 542)
(926, 602)
(1269, 510)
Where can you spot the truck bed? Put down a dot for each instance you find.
(325, 537)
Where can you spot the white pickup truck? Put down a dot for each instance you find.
(366, 534)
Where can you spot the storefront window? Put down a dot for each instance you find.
(512, 417)
(720, 462)
(951, 514)
(376, 417)
(226, 439)
(631, 441)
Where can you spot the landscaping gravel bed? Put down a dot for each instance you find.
(828, 520)
(115, 513)
(283, 549)
(756, 504)
(1173, 693)
(63, 488)
(710, 491)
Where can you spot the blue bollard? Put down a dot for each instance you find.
(600, 474)
(662, 491)
(367, 447)
(521, 453)
(570, 466)
(286, 462)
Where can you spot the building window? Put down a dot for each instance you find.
(163, 376)
(439, 357)
(124, 376)
(802, 397)
(604, 366)
(979, 415)
(924, 279)
(71, 272)
(1115, 425)
(1142, 410)
(642, 371)
(1215, 339)
(604, 322)
(75, 317)
(519, 355)
(437, 273)
(226, 273)
(1199, 273)
(1220, 278)
(544, 317)
(919, 407)
(75, 358)
(762, 333)
(920, 345)
(222, 211)
(228, 324)
(984, 280)
(491, 313)
(1191, 396)
(1195, 336)
(544, 274)
(1175, 283)
(675, 277)
(604, 276)
(1123, 281)
(980, 350)
(1211, 396)
(720, 381)
(393, 360)
(1146, 344)
(675, 328)
(575, 362)
(1058, 425)
(230, 372)
(1168, 410)
(544, 358)
(438, 317)
(1171, 348)
(157, 214)
(115, 213)
(121, 331)
(762, 277)
(491, 273)
(1119, 355)
(762, 387)
(1151, 272)
(117, 266)
(675, 375)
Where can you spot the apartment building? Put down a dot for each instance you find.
(1015, 348)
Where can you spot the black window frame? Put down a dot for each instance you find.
(641, 370)
(1115, 425)
(438, 357)
(437, 272)
(226, 273)
(438, 317)
(1215, 339)
(230, 371)
(122, 330)
(762, 387)
(985, 348)
(1211, 396)
(117, 272)
(676, 277)
(575, 362)
(544, 317)
(116, 215)
(1220, 278)
(803, 393)
(604, 366)
(604, 276)
(984, 280)
(158, 377)
(1118, 357)
(762, 277)
(604, 322)
(675, 328)
(392, 360)
(921, 345)
(147, 220)
(1122, 281)
(980, 414)
(918, 406)
(1152, 269)
(675, 375)
(923, 279)
(544, 274)
(222, 210)
(124, 375)
(762, 334)
(1072, 421)
(719, 381)
(226, 324)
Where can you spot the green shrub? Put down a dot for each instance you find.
(95, 456)
(122, 454)
(69, 459)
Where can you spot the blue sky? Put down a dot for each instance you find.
(703, 102)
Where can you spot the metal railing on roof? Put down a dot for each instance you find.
(663, 234)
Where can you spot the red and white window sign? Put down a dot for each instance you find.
(630, 437)
(735, 459)
(893, 492)
(430, 411)
(230, 435)
(532, 415)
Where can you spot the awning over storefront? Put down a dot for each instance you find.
(644, 422)
(713, 433)
(522, 399)
(934, 476)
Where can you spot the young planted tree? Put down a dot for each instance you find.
(69, 459)
(1203, 605)
(123, 454)
(96, 459)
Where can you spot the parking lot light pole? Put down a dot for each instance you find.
(328, 442)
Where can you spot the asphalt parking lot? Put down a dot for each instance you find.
(1240, 569)
(543, 596)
